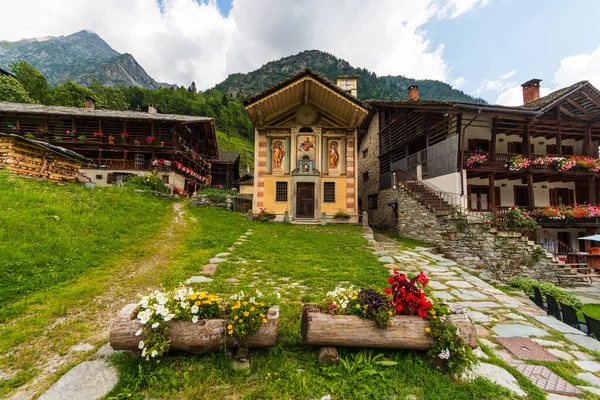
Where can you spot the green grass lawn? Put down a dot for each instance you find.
(51, 234)
(302, 262)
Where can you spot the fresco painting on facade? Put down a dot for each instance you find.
(278, 150)
(334, 155)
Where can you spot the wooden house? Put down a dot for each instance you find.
(306, 132)
(225, 170)
(36, 159)
(122, 143)
(484, 158)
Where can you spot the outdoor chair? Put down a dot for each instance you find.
(593, 326)
(553, 308)
(570, 318)
(538, 299)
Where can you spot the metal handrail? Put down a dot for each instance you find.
(559, 248)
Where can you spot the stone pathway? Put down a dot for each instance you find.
(511, 326)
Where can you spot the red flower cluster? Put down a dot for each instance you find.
(409, 297)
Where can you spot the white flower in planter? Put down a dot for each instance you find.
(194, 319)
(154, 353)
(194, 309)
(141, 344)
(155, 325)
(445, 354)
(139, 332)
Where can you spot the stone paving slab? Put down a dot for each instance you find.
(588, 365)
(547, 380)
(518, 330)
(442, 295)
(89, 380)
(589, 378)
(469, 294)
(216, 260)
(561, 354)
(478, 304)
(386, 260)
(526, 349)
(436, 285)
(557, 325)
(209, 269)
(459, 284)
(499, 376)
(478, 316)
(590, 389)
(198, 279)
(584, 341)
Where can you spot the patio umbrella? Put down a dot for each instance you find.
(595, 237)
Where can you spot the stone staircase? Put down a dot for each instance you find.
(436, 201)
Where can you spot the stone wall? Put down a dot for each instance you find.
(383, 216)
(469, 242)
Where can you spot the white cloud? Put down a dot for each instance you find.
(190, 40)
(578, 68)
(455, 8)
(514, 95)
(497, 85)
(459, 82)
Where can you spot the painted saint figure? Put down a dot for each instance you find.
(278, 153)
(334, 156)
(306, 145)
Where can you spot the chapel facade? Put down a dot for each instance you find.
(306, 136)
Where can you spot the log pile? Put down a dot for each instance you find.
(198, 338)
(408, 331)
(29, 159)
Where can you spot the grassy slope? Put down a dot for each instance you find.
(235, 143)
(292, 256)
(50, 234)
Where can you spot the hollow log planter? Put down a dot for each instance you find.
(202, 337)
(408, 332)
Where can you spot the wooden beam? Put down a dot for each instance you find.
(275, 115)
(527, 140)
(333, 116)
(587, 143)
(530, 192)
(591, 185)
(567, 112)
(592, 96)
(493, 141)
(580, 108)
(306, 91)
(261, 115)
(491, 192)
(558, 133)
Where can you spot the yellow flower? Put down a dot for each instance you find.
(241, 320)
(193, 296)
(255, 303)
(391, 322)
(358, 306)
(262, 303)
(366, 305)
(230, 332)
(252, 309)
(353, 297)
(433, 312)
(427, 330)
(245, 303)
(264, 321)
(389, 312)
(246, 313)
(197, 303)
(229, 327)
(202, 295)
(235, 318)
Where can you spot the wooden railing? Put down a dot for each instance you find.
(559, 249)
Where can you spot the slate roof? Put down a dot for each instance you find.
(51, 147)
(300, 74)
(548, 100)
(22, 108)
(227, 157)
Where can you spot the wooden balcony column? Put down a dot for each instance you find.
(592, 190)
(493, 144)
(530, 191)
(558, 133)
(587, 144)
(527, 140)
(491, 192)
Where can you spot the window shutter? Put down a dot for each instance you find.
(111, 178)
(497, 196)
(551, 149)
(511, 147)
(571, 197)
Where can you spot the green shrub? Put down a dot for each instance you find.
(341, 216)
(546, 288)
(148, 182)
(265, 216)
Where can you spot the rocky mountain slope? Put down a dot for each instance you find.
(78, 57)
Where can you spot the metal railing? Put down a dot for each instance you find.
(438, 200)
(559, 249)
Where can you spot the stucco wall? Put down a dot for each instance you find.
(99, 176)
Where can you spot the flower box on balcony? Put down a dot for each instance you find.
(407, 332)
(200, 337)
(595, 250)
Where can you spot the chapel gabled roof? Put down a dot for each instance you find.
(300, 74)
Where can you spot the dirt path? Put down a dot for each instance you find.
(129, 277)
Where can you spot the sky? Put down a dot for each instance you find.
(486, 48)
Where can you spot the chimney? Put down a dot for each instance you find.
(152, 109)
(413, 92)
(531, 90)
(348, 83)
(90, 103)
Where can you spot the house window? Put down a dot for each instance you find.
(165, 178)
(365, 153)
(365, 176)
(372, 199)
(281, 191)
(329, 192)
(99, 177)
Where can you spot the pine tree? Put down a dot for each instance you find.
(192, 87)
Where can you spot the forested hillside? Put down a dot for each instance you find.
(370, 86)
